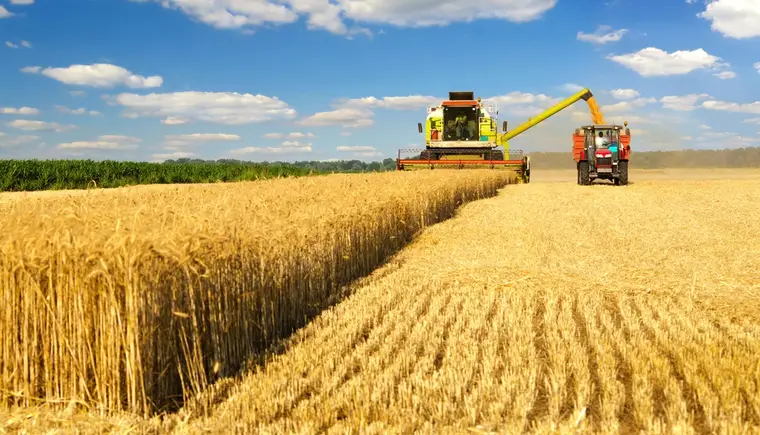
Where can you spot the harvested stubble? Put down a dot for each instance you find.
(129, 299)
(549, 309)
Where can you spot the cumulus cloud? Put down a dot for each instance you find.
(98, 75)
(160, 157)
(725, 75)
(293, 135)
(684, 103)
(756, 66)
(19, 111)
(735, 19)
(346, 117)
(229, 108)
(272, 150)
(624, 94)
(332, 16)
(654, 62)
(12, 141)
(24, 44)
(359, 112)
(602, 35)
(726, 106)
(29, 125)
(355, 148)
(622, 106)
(174, 141)
(80, 111)
(173, 120)
(109, 142)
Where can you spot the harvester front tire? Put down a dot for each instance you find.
(583, 174)
(623, 172)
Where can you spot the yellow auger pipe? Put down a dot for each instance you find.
(583, 94)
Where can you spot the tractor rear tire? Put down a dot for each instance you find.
(583, 174)
(623, 172)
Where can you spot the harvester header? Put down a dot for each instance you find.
(463, 132)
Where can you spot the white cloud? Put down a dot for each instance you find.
(22, 2)
(29, 125)
(725, 75)
(19, 111)
(293, 135)
(175, 155)
(355, 148)
(175, 141)
(7, 141)
(331, 16)
(5, 13)
(756, 66)
(753, 108)
(98, 75)
(76, 93)
(624, 94)
(571, 87)
(410, 102)
(217, 107)
(80, 111)
(358, 112)
(26, 44)
(347, 117)
(685, 103)
(112, 142)
(735, 19)
(602, 35)
(294, 144)
(9, 44)
(622, 106)
(173, 120)
(271, 150)
(119, 138)
(752, 121)
(95, 145)
(654, 62)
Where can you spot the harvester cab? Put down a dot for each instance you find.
(602, 151)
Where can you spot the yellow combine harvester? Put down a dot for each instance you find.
(462, 132)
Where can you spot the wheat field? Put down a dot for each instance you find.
(550, 308)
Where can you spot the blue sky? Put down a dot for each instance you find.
(324, 79)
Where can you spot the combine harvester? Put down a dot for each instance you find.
(462, 132)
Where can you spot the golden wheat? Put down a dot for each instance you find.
(130, 299)
(549, 309)
(552, 308)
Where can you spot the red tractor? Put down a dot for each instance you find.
(601, 151)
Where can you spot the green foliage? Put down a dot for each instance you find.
(29, 175)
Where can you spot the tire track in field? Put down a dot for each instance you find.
(540, 408)
(628, 420)
(688, 392)
(595, 399)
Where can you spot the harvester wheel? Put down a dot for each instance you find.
(583, 175)
(623, 172)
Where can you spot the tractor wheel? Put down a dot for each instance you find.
(583, 175)
(623, 172)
